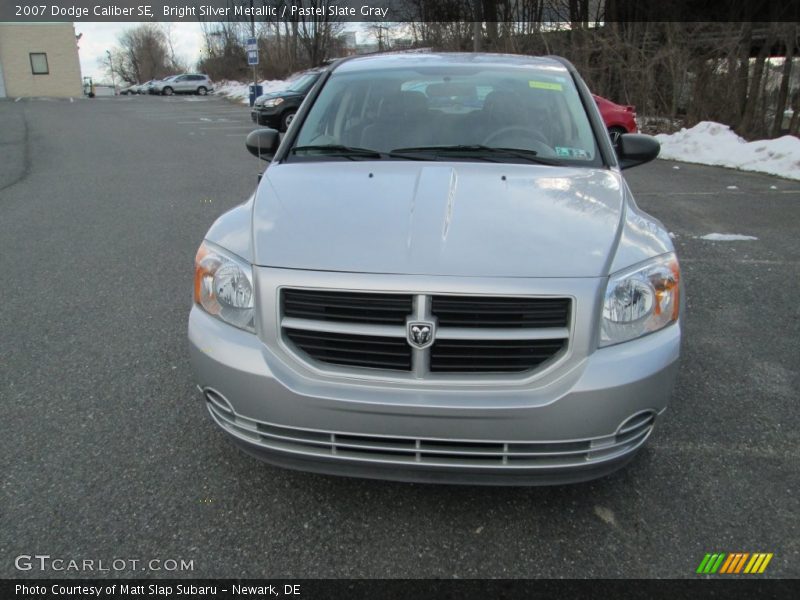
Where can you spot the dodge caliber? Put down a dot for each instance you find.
(442, 277)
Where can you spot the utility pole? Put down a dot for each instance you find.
(253, 34)
(477, 25)
(111, 64)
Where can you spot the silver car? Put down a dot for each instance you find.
(442, 277)
(190, 83)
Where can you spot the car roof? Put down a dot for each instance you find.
(432, 59)
(314, 70)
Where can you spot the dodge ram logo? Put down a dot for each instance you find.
(420, 333)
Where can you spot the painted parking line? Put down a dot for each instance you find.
(223, 127)
(184, 119)
(741, 261)
(719, 193)
(206, 121)
(205, 111)
(185, 113)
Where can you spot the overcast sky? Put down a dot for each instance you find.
(187, 37)
(99, 37)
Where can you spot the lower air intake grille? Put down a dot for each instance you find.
(426, 452)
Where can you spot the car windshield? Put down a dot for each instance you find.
(498, 114)
(302, 82)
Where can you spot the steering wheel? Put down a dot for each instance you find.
(519, 128)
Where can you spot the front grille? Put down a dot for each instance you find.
(384, 309)
(472, 334)
(437, 452)
(354, 350)
(491, 356)
(470, 311)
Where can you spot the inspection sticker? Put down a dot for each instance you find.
(571, 152)
(546, 85)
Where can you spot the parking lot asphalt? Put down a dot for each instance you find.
(108, 451)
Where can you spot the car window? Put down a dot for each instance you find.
(303, 82)
(537, 110)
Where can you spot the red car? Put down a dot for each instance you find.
(619, 119)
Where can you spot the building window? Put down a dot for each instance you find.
(39, 63)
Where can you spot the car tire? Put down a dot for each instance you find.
(202, 91)
(614, 133)
(286, 119)
(167, 91)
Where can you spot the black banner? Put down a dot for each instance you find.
(417, 589)
(553, 11)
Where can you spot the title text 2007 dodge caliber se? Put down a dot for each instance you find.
(441, 277)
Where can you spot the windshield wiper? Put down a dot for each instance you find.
(338, 150)
(490, 153)
(352, 152)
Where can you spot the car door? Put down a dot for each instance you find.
(198, 81)
(182, 84)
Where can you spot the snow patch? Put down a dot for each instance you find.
(240, 91)
(710, 143)
(606, 514)
(727, 237)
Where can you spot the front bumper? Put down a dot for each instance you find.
(267, 117)
(585, 423)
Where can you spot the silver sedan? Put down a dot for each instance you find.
(442, 277)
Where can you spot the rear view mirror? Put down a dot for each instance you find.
(263, 143)
(636, 149)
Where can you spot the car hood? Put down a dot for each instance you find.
(278, 94)
(459, 219)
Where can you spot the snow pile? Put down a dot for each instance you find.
(727, 237)
(710, 143)
(240, 91)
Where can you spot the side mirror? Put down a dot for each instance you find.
(636, 149)
(263, 143)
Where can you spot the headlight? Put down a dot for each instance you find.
(272, 102)
(223, 286)
(641, 300)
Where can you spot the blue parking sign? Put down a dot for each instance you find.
(252, 57)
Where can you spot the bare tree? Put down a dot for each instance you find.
(749, 123)
(143, 53)
(317, 33)
(789, 39)
(224, 54)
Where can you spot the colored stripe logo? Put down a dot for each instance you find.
(734, 563)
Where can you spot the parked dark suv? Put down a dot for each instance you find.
(277, 109)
